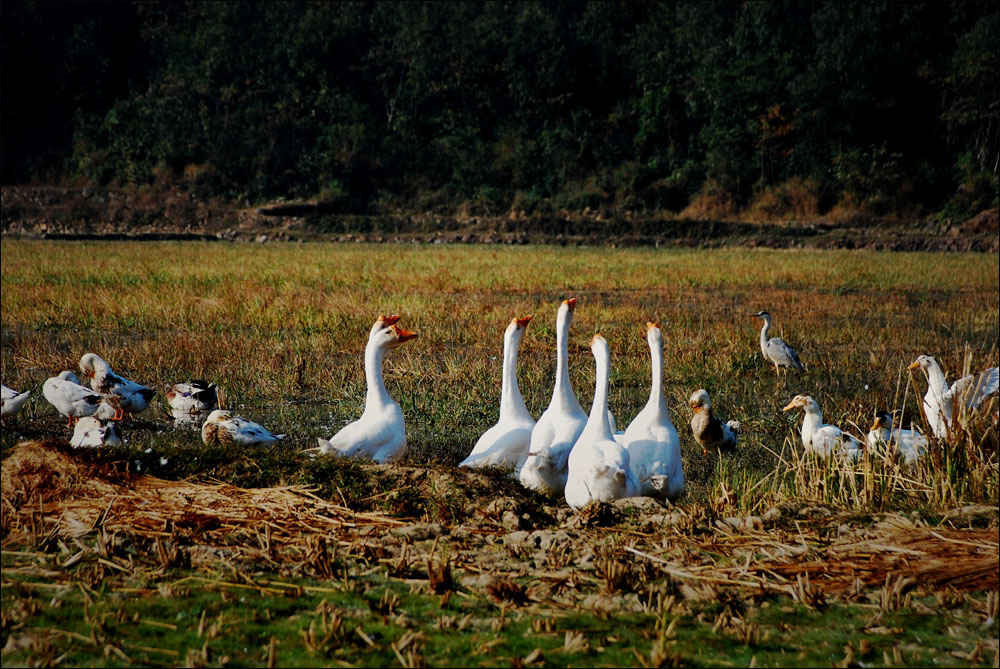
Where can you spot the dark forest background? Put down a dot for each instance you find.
(773, 107)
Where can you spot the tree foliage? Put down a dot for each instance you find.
(416, 105)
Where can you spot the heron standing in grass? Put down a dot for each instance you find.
(775, 350)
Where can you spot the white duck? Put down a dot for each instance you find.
(380, 433)
(12, 401)
(222, 427)
(775, 350)
(127, 397)
(506, 443)
(598, 465)
(91, 432)
(709, 431)
(651, 440)
(941, 401)
(560, 425)
(824, 440)
(189, 401)
(910, 444)
(71, 399)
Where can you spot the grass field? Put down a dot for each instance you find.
(282, 328)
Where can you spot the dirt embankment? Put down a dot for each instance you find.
(63, 213)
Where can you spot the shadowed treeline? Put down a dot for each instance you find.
(709, 108)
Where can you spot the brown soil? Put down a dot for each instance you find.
(64, 213)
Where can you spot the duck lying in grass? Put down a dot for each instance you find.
(222, 428)
(191, 400)
(910, 445)
(823, 440)
(91, 432)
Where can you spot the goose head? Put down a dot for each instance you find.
(390, 337)
(699, 401)
(515, 330)
(599, 347)
(804, 402)
(382, 323)
(654, 335)
(92, 364)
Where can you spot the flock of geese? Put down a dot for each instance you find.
(566, 451)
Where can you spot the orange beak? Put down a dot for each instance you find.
(791, 405)
(650, 326)
(523, 322)
(571, 302)
(389, 320)
(403, 335)
(914, 365)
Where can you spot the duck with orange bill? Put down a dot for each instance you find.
(823, 440)
(710, 432)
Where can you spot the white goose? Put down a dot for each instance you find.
(93, 433)
(775, 350)
(824, 440)
(127, 397)
(222, 428)
(560, 425)
(910, 444)
(941, 401)
(380, 433)
(598, 465)
(189, 401)
(651, 440)
(506, 443)
(71, 399)
(709, 431)
(12, 401)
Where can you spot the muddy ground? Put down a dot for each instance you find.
(62, 213)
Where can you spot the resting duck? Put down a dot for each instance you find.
(71, 399)
(824, 440)
(941, 401)
(380, 433)
(91, 432)
(127, 397)
(506, 443)
(911, 445)
(651, 440)
(559, 426)
(12, 401)
(708, 430)
(190, 400)
(222, 428)
(775, 350)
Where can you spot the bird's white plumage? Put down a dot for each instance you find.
(559, 426)
(12, 401)
(941, 401)
(222, 427)
(911, 445)
(126, 396)
(71, 399)
(506, 443)
(824, 440)
(90, 432)
(651, 440)
(380, 433)
(599, 467)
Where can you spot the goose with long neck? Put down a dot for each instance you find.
(506, 443)
(598, 465)
(651, 439)
(560, 425)
(824, 440)
(966, 393)
(775, 350)
(380, 433)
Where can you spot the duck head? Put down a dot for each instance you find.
(804, 402)
(699, 400)
(91, 364)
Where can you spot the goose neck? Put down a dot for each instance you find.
(374, 354)
(656, 397)
(598, 423)
(511, 402)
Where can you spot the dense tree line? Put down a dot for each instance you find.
(375, 106)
